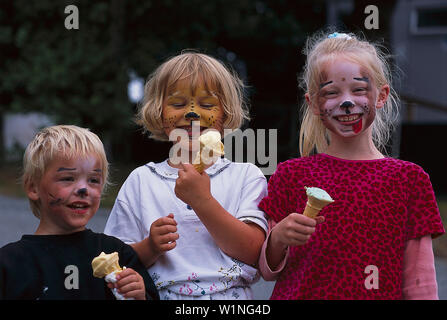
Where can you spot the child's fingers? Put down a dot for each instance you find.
(303, 229)
(168, 238)
(187, 167)
(138, 294)
(165, 221)
(166, 229)
(125, 277)
(131, 284)
(302, 219)
(168, 246)
(320, 219)
(171, 215)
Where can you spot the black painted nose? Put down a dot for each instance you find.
(192, 115)
(347, 105)
(82, 192)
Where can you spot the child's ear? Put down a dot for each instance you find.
(313, 108)
(31, 190)
(384, 92)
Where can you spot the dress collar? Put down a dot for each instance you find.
(165, 171)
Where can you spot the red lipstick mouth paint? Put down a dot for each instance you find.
(358, 126)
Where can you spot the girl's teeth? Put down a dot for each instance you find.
(348, 118)
(78, 206)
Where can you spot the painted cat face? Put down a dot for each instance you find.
(69, 193)
(184, 104)
(347, 98)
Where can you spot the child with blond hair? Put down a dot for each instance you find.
(374, 241)
(199, 234)
(65, 171)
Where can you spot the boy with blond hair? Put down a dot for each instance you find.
(65, 171)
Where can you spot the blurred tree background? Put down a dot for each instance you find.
(80, 76)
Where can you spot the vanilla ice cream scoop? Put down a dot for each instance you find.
(107, 266)
(317, 199)
(211, 148)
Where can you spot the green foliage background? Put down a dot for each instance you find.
(80, 76)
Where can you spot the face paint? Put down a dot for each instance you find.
(345, 98)
(365, 79)
(358, 126)
(346, 105)
(325, 84)
(55, 201)
(57, 193)
(185, 104)
(82, 192)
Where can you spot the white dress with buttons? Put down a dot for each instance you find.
(196, 268)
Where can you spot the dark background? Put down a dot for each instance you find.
(80, 76)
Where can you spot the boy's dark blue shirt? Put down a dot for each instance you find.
(35, 267)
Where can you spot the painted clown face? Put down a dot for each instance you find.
(184, 106)
(347, 98)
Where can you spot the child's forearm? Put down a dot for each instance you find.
(237, 239)
(145, 253)
(275, 251)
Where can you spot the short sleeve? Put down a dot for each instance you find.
(422, 209)
(276, 204)
(124, 222)
(251, 194)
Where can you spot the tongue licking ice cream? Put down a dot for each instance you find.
(317, 199)
(211, 148)
(106, 266)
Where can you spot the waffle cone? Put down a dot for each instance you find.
(198, 162)
(314, 206)
(200, 167)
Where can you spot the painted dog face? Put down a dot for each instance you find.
(347, 98)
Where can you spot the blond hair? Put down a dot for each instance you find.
(66, 141)
(321, 49)
(194, 67)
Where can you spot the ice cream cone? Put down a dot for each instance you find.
(105, 264)
(210, 149)
(200, 167)
(317, 199)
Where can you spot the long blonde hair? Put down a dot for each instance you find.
(321, 48)
(194, 67)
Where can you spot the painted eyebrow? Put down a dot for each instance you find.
(325, 84)
(65, 169)
(365, 79)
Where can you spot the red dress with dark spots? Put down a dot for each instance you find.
(379, 205)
